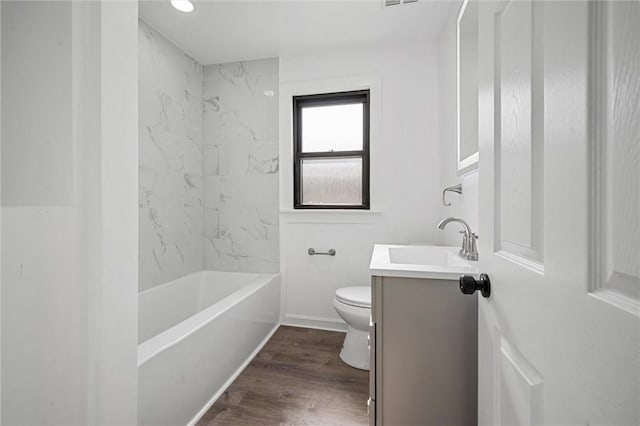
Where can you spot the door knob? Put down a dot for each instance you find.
(469, 285)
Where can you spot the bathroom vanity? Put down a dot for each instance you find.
(423, 338)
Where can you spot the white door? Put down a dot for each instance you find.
(559, 133)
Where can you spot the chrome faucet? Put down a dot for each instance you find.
(469, 250)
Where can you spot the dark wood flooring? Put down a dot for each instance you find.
(296, 379)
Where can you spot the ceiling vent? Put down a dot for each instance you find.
(397, 2)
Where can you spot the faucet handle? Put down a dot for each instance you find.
(472, 253)
(464, 249)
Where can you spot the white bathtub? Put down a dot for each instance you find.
(196, 335)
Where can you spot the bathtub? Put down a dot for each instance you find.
(196, 334)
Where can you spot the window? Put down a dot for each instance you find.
(331, 151)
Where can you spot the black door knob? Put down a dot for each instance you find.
(469, 285)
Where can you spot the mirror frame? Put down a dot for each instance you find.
(470, 163)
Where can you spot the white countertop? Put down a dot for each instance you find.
(420, 261)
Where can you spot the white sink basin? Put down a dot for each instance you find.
(426, 255)
(420, 261)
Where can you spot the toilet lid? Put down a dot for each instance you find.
(355, 296)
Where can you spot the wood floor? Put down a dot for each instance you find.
(297, 379)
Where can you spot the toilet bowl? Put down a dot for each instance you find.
(353, 304)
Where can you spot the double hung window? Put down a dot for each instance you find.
(331, 151)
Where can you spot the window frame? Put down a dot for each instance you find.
(331, 99)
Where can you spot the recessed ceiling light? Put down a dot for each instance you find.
(182, 5)
(269, 93)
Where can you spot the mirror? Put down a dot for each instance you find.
(467, 87)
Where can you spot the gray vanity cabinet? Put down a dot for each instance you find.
(424, 346)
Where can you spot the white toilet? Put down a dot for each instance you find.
(354, 306)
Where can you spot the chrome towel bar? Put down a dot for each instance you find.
(312, 252)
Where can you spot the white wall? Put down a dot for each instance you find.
(465, 205)
(404, 167)
(69, 276)
(43, 162)
(114, 290)
(44, 297)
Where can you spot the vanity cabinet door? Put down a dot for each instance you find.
(426, 357)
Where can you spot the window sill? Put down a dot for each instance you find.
(330, 212)
(332, 217)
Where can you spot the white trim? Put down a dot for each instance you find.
(283, 267)
(470, 163)
(344, 217)
(235, 375)
(319, 323)
(324, 220)
(528, 372)
(332, 212)
(598, 121)
(521, 261)
(617, 300)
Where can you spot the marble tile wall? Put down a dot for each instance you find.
(241, 165)
(171, 161)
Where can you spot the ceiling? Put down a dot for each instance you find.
(226, 31)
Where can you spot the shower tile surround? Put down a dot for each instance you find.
(208, 168)
(241, 166)
(170, 160)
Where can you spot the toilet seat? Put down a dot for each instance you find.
(359, 296)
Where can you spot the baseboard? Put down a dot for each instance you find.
(307, 321)
(235, 375)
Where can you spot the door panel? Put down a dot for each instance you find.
(519, 387)
(615, 153)
(559, 338)
(519, 175)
